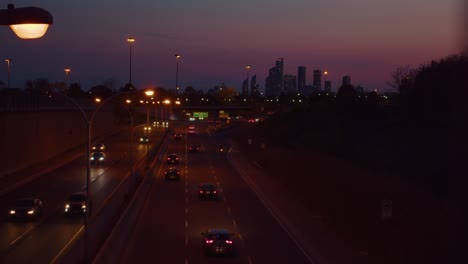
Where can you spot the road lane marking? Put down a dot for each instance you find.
(186, 260)
(186, 223)
(235, 224)
(240, 237)
(229, 210)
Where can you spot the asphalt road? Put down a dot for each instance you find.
(39, 241)
(172, 220)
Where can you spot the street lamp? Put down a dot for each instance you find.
(26, 22)
(8, 61)
(130, 41)
(177, 56)
(247, 68)
(67, 72)
(325, 73)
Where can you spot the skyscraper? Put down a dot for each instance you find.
(254, 87)
(301, 79)
(274, 83)
(317, 81)
(290, 84)
(346, 80)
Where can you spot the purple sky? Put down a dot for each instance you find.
(365, 39)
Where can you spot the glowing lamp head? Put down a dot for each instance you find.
(26, 22)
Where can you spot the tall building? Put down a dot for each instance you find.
(301, 79)
(317, 81)
(327, 86)
(280, 67)
(290, 84)
(245, 88)
(274, 83)
(346, 80)
(254, 87)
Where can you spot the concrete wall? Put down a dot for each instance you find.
(29, 138)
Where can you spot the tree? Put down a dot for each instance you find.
(402, 78)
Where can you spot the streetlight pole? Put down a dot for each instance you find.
(67, 72)
(325, 73)
(8, 61)
(130, 41)
(247, 68)
(177, 72)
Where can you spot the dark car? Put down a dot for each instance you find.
(99, 147)
(144, 139)
(29, 207)
(75, 204)
(97, 157)
(172, 174)
(191, 130)
(218, 242)
(207, 191)
(177, 136)
(172, 159)
(194, 149)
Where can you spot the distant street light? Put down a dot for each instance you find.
(8, 61)
(247, 68)
(325, 73)
(67, 72)
(130, 41)
(26, 22)
(177, 56)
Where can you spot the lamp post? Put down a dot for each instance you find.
(325, 73)
(247, 68)
(8, 61)
(26, 22)
(177, 56)
(67, 72)
(130, 41)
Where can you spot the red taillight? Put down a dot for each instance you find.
(201, 191)
(209, 241)
(228, 241)
(214, 191)
(177, 158)
(168, 158)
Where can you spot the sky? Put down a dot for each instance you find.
(365, 39)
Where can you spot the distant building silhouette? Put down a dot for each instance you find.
(346, 80)
(327, 87)
(317, 81)
(274, 83)
(290, 84)
(301, 79)
(254, 87)
(245, 88)
(308, 90)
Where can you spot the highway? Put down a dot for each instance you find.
(39, 241)
(172, 220)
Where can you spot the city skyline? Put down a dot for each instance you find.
(363, 39)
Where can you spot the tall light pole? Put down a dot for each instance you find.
(67, 72)
(130, 41)
(8, 61)
(177, 56)
(247, 68)
(325, 73)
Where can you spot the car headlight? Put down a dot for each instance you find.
(30, 212)
(83, 206)
(12, 212)
(67, 206)
(101, 158)
(92, 158)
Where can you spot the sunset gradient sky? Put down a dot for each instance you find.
(365, 39)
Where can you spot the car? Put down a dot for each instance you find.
(177, 136)
(207, 191)
(99, 147)
(144, 139)
(172, 173)
(194, 149)
(147, 128)
(27, 208)
(191, 130)
(218, 242)
(97, 157)
(172, 159)
(75, 204)
(251, 121)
